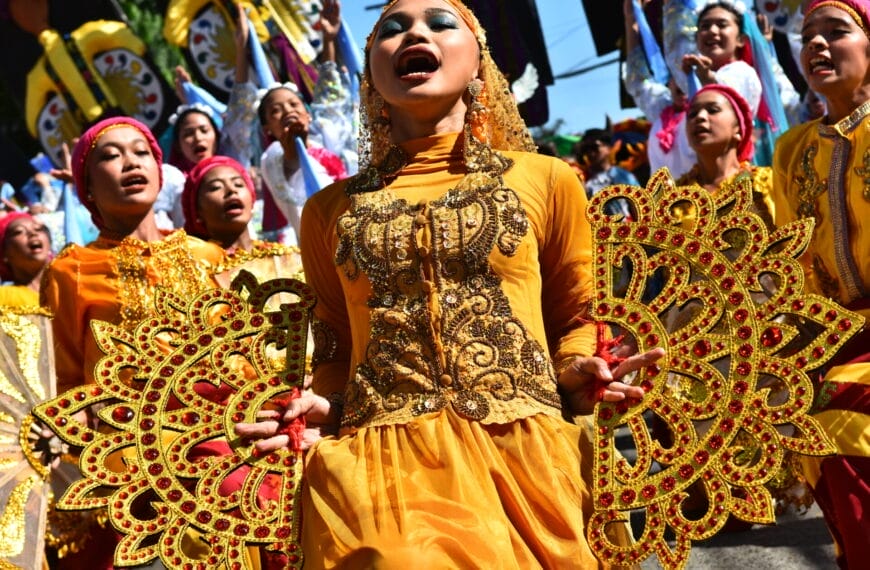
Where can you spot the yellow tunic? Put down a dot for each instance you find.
(824, 171)
(18, 296)
(440, 313)
(115, 282)
(762, 188)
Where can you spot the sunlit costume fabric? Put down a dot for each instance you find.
(818, 172)
(822, 171)
(446, 293)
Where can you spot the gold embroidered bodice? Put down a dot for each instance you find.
(442, 260)
(823, 171)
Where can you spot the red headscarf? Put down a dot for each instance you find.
(190, 196)
(5, 221)
(745, 148)
(87, 143)
(859, 10)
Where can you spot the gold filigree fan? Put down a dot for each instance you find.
(163, 461)
(27, 483)
(702, 277)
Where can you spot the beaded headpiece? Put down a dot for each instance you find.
(86, 144)
(190, 194)
(858, 10)
(504, 128)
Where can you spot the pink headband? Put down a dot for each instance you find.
(745, 147)
(859, 10)
(87, 143)
(5, 221)
(190, 195)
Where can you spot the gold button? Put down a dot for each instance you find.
(420, 220)
(446, 380)
(428, 286)
(424, 251)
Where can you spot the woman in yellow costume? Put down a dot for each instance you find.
(25, 250)
(719, 130)
(218, 200)
(452, 278)
(116, 168)
(822, 170)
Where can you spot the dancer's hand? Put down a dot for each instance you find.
(589, 379)
(320, 418)
(701, 65)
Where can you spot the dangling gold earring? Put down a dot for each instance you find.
(476, 149)
(478, 112)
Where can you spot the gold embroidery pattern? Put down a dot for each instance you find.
(442, 331)
(864, 172)
(259, 250)
(26, 378)
(172, 261)
(325, 342)
(808, 183)
(13, 519)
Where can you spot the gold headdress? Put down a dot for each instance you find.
(502, 127)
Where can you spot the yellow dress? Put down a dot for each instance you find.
(115, 282)
(18, 296)
(823, 171)
(440, 314)
(762, 188)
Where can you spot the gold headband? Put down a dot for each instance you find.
(107, 128)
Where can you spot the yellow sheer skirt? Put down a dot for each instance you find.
(447, 492)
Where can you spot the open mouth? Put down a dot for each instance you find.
(234, 207)
(200, 149)
(416, 63)
(134, 181)
(820, 64)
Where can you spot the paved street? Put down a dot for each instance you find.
(796, 543)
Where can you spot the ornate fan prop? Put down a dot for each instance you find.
(164, 462)
(724, 297)
(27, 378)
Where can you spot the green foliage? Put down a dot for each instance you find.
(145, 18)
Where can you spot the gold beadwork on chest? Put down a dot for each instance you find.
(864, 172)
(808, 183)
(442, 330)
